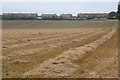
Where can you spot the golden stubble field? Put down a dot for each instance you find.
(53, 49)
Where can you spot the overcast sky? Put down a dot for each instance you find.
(59, 7)
(59, 0)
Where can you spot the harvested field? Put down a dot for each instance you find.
(84, 49)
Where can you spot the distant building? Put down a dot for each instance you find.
(0, 16)
(48, 16)
(10, 15)
(19, 15)
(92, 15)
(66, 16)
(29, 15)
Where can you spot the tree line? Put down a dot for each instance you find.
(118, 12)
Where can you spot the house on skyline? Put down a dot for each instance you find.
(19, 15)
(66, 16)
(48, 16)
(92, 15)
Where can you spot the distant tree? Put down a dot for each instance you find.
(118, 12)
(112, 15)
